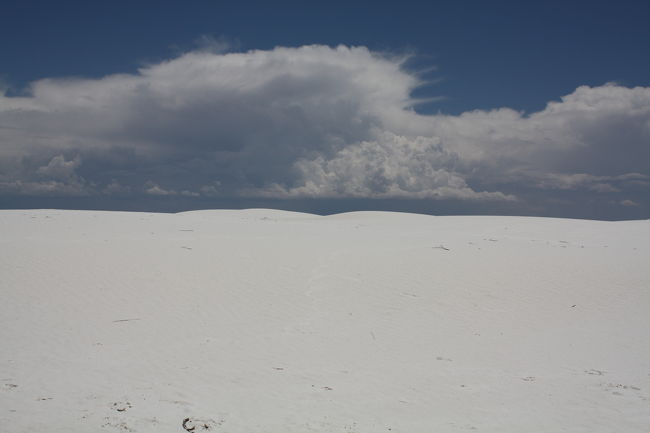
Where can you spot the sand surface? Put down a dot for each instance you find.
(268, 321)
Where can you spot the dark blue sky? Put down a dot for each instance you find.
(518, 54)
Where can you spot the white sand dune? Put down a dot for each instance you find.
(268, 321)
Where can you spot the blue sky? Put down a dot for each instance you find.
(487, 54)
(464, 56)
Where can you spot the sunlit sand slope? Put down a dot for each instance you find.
(269, 321)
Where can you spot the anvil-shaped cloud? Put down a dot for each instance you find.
(317, 122)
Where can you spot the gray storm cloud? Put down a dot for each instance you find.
(314, 122)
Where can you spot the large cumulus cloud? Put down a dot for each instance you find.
(314, 122)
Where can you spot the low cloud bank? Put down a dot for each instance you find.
(314, 122)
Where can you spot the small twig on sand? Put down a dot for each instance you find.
(124, 320)
(441, 247)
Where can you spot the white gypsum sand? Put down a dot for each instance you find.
(268, 321)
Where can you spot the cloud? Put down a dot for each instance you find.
(389, 167)
(57, 177)
(115, 188)
(152, 188)
(315, 122)
(59, 168)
